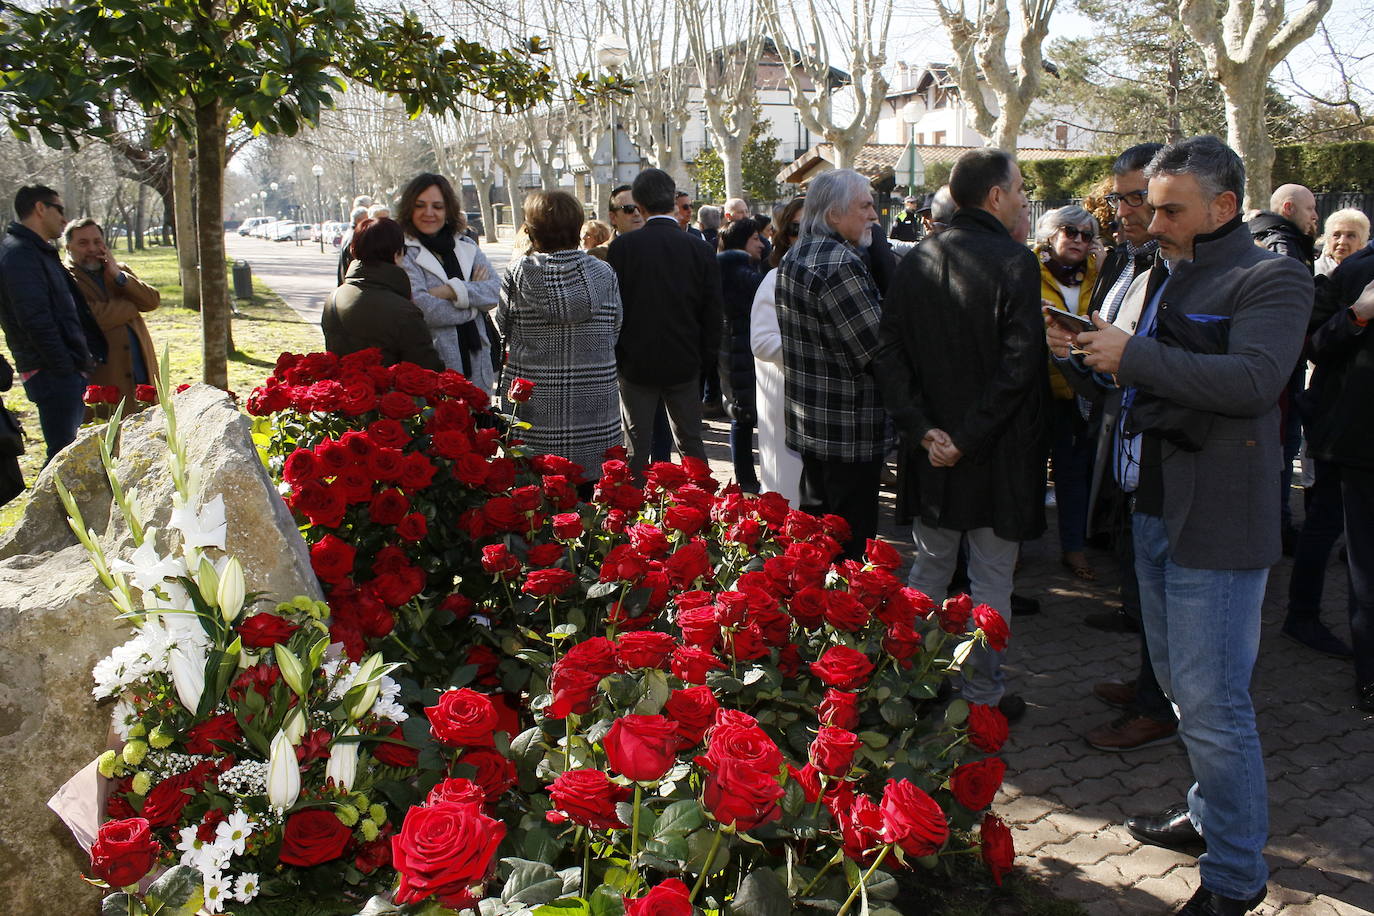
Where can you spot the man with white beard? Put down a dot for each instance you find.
(828, 312)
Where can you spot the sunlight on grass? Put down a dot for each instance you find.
(262, 328)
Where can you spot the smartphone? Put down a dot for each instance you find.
(1069, 321)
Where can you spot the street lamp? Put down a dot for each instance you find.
(352, 177)
(612, 51)
(292, 206)
(318, 170)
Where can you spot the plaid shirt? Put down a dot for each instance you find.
(828, 313)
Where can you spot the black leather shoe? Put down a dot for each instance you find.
(1170, 829)
(1364, 697)
(1206, 903)
(1012, 706)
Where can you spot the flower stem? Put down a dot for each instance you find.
(706, 866)
(864, 880)
(586, 860)
(819, 875)
(634, 826)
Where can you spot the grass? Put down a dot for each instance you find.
(263, 328)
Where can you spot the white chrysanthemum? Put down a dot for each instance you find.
(344, 681)
(233, 832)
(246, 888)
(386, 706)
(142, 655)
(195, 852)
(124, 717)
(218, 887)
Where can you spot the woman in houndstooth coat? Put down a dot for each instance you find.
(560, 317)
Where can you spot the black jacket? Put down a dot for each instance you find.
(1281, 235)
(879, 258)
(372, 308)
(1339, 429)
(963, 349)
(670, 290)
(46, 320)
(906, 227)
(739, 280)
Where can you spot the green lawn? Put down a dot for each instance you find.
(263, 328)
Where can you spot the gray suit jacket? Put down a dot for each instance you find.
(1221, 504)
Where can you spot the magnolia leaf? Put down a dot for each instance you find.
(882, 886)
(539, 845)
(762, 893)
(670, 848)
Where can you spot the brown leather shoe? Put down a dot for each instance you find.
(1115, 693)
(1131, 732)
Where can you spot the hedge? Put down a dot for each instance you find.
(1321, 167)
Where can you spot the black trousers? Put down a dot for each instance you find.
(848, 489)
(1357, 488)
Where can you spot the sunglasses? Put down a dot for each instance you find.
(61, 210)
(626, 208)
(1134, 198)
(1073, 232)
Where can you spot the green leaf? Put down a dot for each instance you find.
(530, 883)
(177, 886)
(699, 847)
(762, 893)
(575, 906)
(654, 693)
(603, 589)
(606, 901)
(873, 739)
(898, 712)
(121, 904)
(679, 819)
(956, 713)
(539, 845)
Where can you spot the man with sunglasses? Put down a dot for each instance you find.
(624, 215)
(55, 341)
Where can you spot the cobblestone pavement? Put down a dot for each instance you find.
(1066, 801)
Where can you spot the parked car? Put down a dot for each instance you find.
(251, 223)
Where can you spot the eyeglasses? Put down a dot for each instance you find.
(61, 210)
(1073, 232)
(626, 208)
(1134, 198)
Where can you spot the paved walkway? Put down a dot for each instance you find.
(1065, 800)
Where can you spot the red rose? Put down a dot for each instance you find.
(686, 519)
(987, 728)
(691, 664)
(912, 819)
(359, 396)
(413, 527)
(462, 718)
(993, 625)
(388, 433)
(299, 467)
(443, 848)
(457, 790)
(861, 828)
(545, 554)
(692, 709)
(567, 526)
(737, 793)
(391, 754)
(573, 690)
(843, 668)
(839, 709)
(587, 797)
(844, 612)
(809, 778)
(789, 660)
(494, 773)
(641, 748)
(388, 507)
(504, 515)
(974, 785)
(124, 851)
(520, 390)
(648, 540)
(262, 631)
(998, 852)
(374, 855)
(165, 801)
(417, 472)
(671, 898)
(954, 614)
(498, 560)
(313, 836)
(688, 564)
(832, 750)
(413, 379)
(386, 464)
(901, 642)
(145, 393)
(882, 555)
(645, 649)
(223, 727)
(698, 626)
(397, 405)
(543, 583)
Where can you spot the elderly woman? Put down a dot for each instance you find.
(780, 468)
(451, 280)
(1347, 231)
(1064, 242)
(372, 307)
(560, 315)
(595, 236)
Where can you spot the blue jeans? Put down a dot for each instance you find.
(1203, 627)
(60, 408)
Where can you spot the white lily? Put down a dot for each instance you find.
(343, 760)
(147, 568)
(205, 528)
(283, 773)
(187, 664)
(294, 726)
(231, 590)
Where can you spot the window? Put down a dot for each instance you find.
(1061, 135)
(939, 138)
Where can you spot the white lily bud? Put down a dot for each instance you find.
(294, 726)
(231, 590)
(343, 760)
(369, 676)
(208, 580)
(188, 675)
(283, 773)
(291, 669)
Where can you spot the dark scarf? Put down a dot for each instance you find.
(444, 246)
(1066, 276)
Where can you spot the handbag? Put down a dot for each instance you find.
(11, 434)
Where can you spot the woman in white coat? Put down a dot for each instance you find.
(451, 280)
(779, 467)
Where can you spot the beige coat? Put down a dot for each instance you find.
(114, 314)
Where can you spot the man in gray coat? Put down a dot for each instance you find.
(1213, 343)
